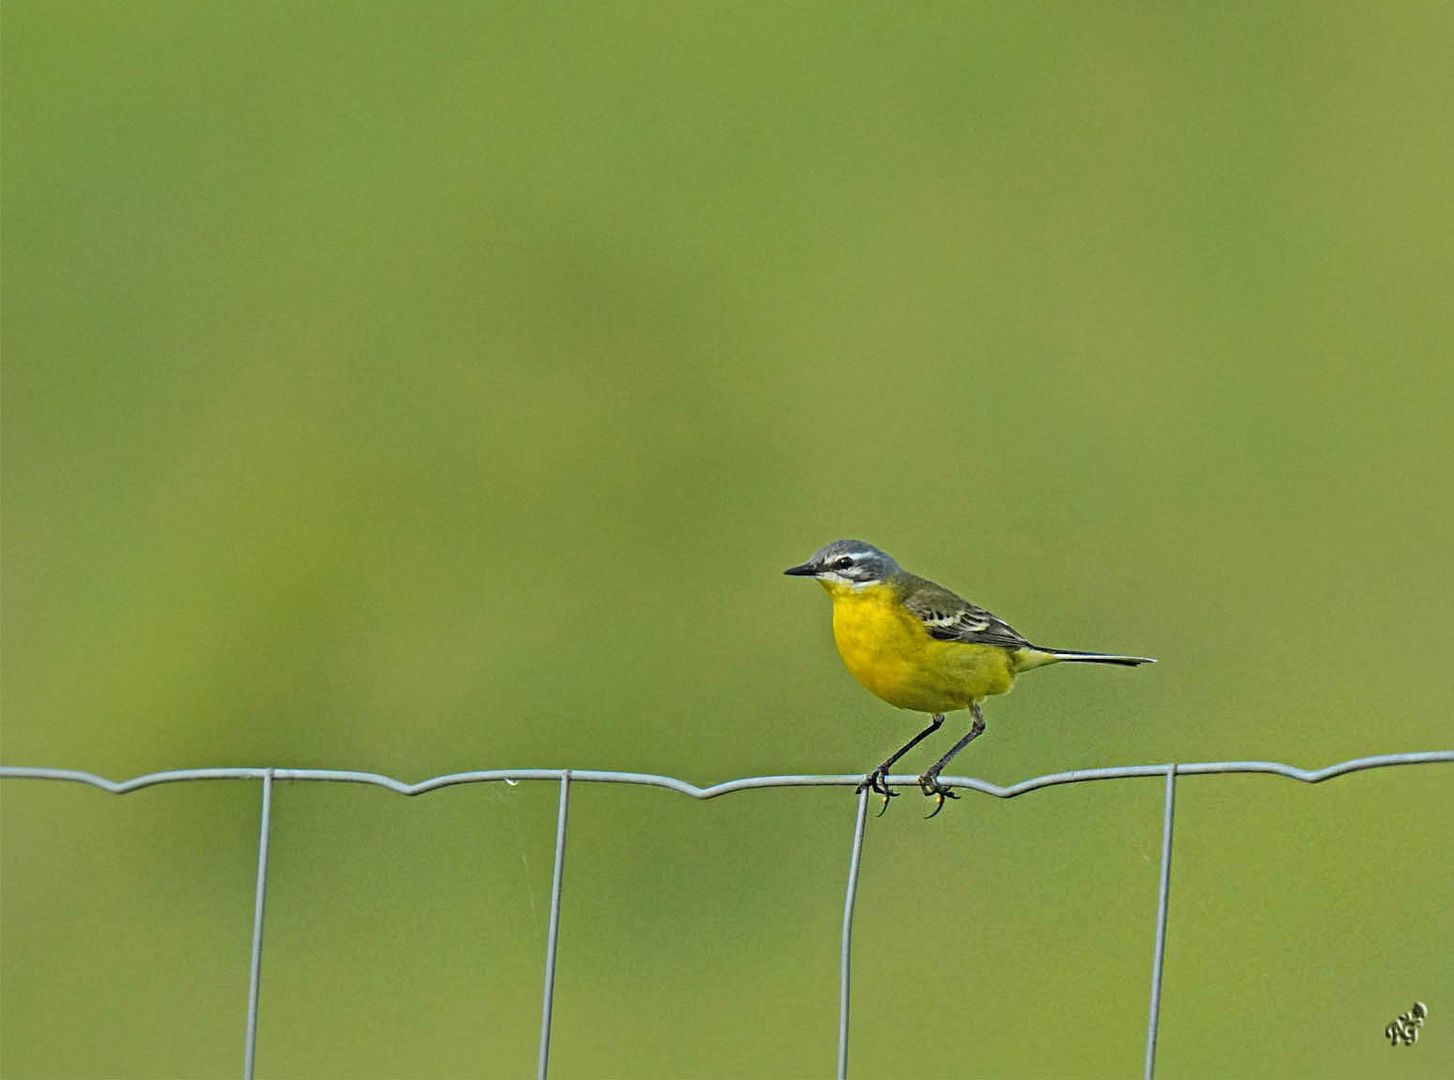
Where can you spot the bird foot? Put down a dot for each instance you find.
(877, 783)
(929, 784)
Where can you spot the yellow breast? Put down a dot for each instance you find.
(890, 651)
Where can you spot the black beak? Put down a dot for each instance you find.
(806, 570)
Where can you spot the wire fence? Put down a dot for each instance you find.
(567, 777)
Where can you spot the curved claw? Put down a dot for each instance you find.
(876, 783)
(930, 785)
(938, 806)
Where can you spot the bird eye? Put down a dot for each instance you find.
(843, 564)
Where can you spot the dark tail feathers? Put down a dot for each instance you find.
(1099, 658)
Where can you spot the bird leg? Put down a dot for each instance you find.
(929, 783)
(876, 781)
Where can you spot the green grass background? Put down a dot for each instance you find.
(428, 387)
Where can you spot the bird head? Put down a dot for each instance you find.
(846, 564)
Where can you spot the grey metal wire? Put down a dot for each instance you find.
(553, 936)
(1153, 1024)
(749, 783)
(850, 899)
(566, 776)
(255, 966)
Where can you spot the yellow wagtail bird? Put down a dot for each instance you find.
(921, 647)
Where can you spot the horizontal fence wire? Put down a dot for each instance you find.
(566, 777)
(714, 791)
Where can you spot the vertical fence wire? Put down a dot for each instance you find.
(1163, 895)
(846, 965)
(547, 1006)
(249, 1056)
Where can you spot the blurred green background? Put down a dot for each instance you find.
(428, 387)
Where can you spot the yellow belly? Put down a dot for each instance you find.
(889, 650)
